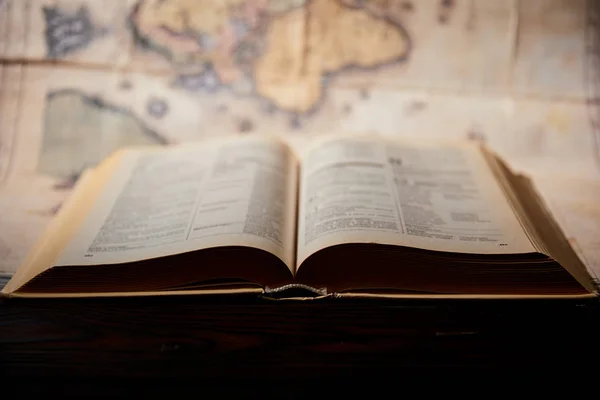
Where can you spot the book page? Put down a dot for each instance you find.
(431, 196)
(161, 202)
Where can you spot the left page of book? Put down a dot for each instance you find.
(239, 192)
(58, 233)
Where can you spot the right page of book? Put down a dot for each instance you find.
(434, 196)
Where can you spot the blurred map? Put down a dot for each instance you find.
(81, 78)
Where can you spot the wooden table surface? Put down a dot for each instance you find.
(251, 338)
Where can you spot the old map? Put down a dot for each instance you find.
(81, 78)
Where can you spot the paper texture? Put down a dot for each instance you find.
(163, 202)
(437, 197)
(522, 76)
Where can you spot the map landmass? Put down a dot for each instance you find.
(280, 50)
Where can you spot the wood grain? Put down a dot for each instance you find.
(254, 338)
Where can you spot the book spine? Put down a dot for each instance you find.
(294, 291)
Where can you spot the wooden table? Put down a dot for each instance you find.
(250, 338)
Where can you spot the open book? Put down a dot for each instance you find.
(353, 216)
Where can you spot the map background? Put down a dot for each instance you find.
(519, 75)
